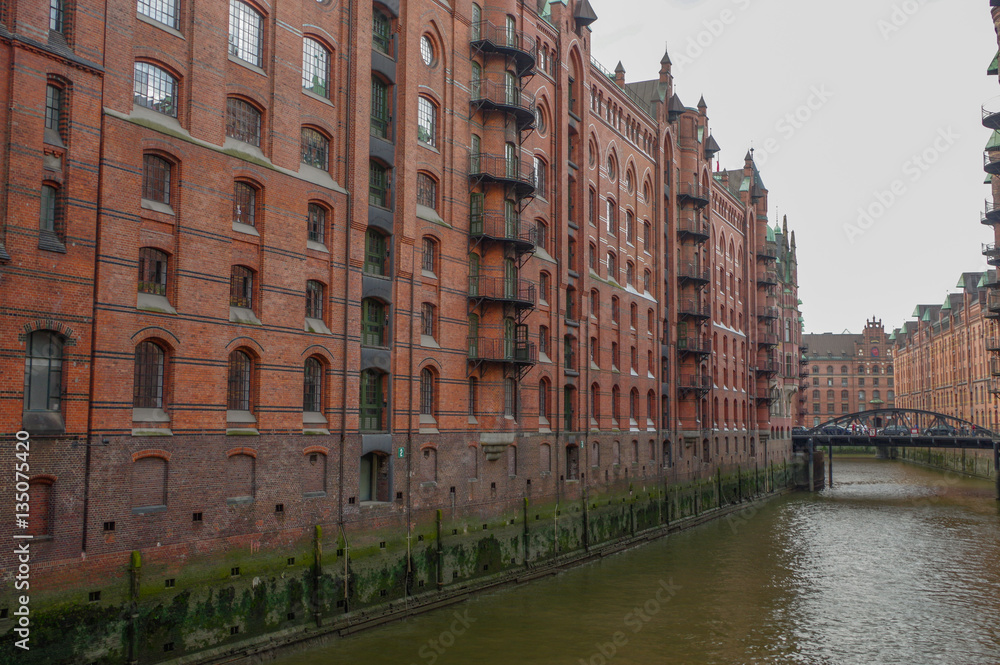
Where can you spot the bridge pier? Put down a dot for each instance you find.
(812, 463)
(829, 466)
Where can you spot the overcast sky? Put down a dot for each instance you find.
(895, 89)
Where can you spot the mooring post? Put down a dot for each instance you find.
(829, 467)
(812, 470)
(996, 469)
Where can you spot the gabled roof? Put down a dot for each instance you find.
(992, 70)
(651, 91)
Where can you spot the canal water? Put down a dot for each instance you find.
(892, 564)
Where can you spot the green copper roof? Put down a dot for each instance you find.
(916, 311)
(947, 303)
(994, 142)
(701, 134)
(800, 301)
(770, 232)
(892, 337)
(994, 69)
(982, 281)
(745, 185)
(926, 316)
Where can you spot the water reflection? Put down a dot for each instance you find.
(893, 564)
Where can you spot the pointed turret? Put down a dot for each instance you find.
(584, 14)
(676, 108)
(702, 106)
(620, 74)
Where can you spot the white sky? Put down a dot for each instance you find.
(896, 82)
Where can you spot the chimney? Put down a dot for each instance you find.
(620, 75)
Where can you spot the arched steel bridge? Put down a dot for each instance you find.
(899, 428)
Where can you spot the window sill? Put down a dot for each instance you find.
(150, 416)
(428, 146)
(149, 510)
(240, 227)
(239, 500)
(152, 302)
(317, 327)
(313, 418)
(48, 241)
(317, 246)
(243, 316)
(431, 215)
(318, 98)
(235, 416)
(51, 136)
(428, 274)
(242, 431)
(428, 342)
(156, 24)
(243, 63)
(157, 206)
(314, 495)
(151, 431)
(315, 432)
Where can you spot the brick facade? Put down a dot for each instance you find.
(546, 288)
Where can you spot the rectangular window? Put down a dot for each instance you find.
(48, 216)
(426, 121)
(152, 271)
(378, 185)
(242, 121)
(245, 204)
(315, 67)
(164, 11)
(57, 16)
(427, 260)
(381, 32)
(374, 322)
(592, 208)
(53, 109)
(314, 300)
(155, 179)
(317, 223)
(427, 319)
(246, 33)
(426, 191)
(375, 253)
(241, 287)
(380, 109)
(612, 223)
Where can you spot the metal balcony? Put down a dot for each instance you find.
(991, 279)
(694, 308)
(692, 272)
(518, 292)
(494, 349)
(991, 215)
(991, 113)
(767, 339)
(767, 367)
(991, 162)
(694, 193)
(995, 366)
(490, 95)
(514, 171)
(694, 228)
(993, 301)
(701, 383)
(767, 278)
(992, 253)
(993, 344)
(768, 252)
(695, 345)
(496, 226)
(486, 37)
(768, 313)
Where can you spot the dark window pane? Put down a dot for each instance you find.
(245, 204)
(315, 148)
(156, 179)
(148, 385)
(241, 287)
(152, 271)
(240, 381)
(317, 223)
(242, 121)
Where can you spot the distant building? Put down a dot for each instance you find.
(943, 357)
(849, 373)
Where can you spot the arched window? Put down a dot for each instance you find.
(315, 149)
(241, 380)
(543, 399)
(378, 184)
(312, 386)
(477, 19)
(147, 387)
(246, 33)
(510, 398)
(612, 267)
(241, 292)
(376, 252)
(629, 227)
(165, 11)
(372, 401)
(149, 483)
(374, 322)
(315, 67)
(315, 297)
(244, 203)
(155, 89)
(616, 403)
(426, 191)
(50, 216)
(316, 223)
(381, 32)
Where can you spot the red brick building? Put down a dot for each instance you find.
(331, 266)
(849, 373)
